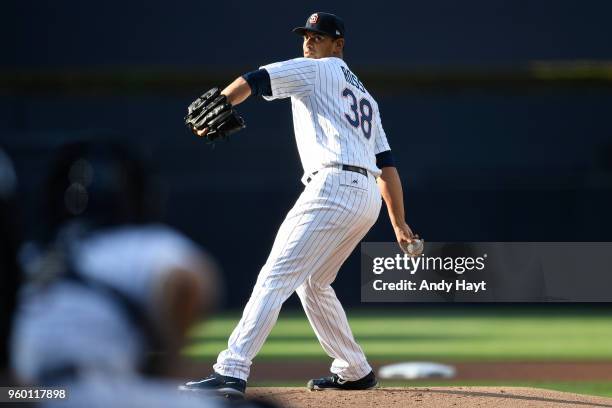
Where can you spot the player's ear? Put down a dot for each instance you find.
(339, 45)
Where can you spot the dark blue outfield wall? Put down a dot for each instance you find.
(195, 32)
(476, 165)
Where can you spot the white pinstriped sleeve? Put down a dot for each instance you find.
(380, 142)
(295, 77)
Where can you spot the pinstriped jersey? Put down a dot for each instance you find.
(335, 119)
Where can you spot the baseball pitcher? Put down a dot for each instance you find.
(348, 166)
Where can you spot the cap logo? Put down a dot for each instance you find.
(313, 19)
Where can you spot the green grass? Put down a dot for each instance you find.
(468, 337)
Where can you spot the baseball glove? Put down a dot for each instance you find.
(212, 111)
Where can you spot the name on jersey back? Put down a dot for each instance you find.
(352, 79)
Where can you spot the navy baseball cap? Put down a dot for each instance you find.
(323, 23)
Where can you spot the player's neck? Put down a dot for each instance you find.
(333, 56)
(328, 56)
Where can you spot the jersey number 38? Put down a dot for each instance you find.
(361, 113)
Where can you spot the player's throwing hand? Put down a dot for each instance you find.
(404, 234)
(409, 242)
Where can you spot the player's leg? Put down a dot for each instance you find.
(324, 311)
(277, 279)
(323, 214)
(330, 324)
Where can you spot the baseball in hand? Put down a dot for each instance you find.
(414, 248)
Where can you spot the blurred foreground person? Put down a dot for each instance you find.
(110, 294)
(9, 243)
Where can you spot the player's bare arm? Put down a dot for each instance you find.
(391, 191)
(237, 92)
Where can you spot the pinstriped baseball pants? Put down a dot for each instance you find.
(333, 213)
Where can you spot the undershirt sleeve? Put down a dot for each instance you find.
(259, 81)
(385, 159)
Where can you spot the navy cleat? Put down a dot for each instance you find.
(228, 387)
(336, 383)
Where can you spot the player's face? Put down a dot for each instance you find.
(320, 46)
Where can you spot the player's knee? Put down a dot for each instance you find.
(303, 290)
(311, 286)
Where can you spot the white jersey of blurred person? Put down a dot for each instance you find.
(79, 333)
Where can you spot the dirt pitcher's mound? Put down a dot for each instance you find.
(437, 397)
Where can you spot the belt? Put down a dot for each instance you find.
(356, 169)
(344, 167)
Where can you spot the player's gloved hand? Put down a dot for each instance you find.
(211, 116)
